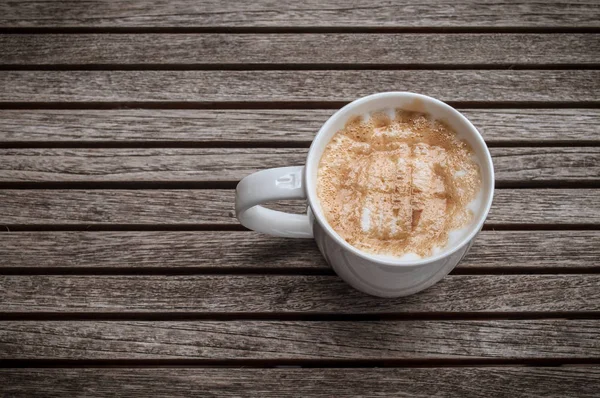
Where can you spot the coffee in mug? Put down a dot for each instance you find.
(398, 183)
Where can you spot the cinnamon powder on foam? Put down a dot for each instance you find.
(397, 186)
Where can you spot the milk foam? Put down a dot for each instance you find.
(399, 184)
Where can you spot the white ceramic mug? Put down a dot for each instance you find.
(377, 275)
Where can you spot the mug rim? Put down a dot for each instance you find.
(313, 200)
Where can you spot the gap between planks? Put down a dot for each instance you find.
(292, 316)
(155, 144)
(291, 67)
(258, 30)
(209, 185)
(60, 227)
(304, 363)
(276, 105)
(309, 271)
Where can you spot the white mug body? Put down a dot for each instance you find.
(377, 279)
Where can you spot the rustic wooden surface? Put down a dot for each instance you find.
(125, 126)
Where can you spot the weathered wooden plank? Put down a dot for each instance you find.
(225, 164)
(288, 13)
(185, 207)
(323, 49)
(268, 340)
(265, 125)
(527, 382)
(212, 164)
(545, 206)
(118, 206)
(200, 86)
(292, 294)
(545, 164)
(248, 250)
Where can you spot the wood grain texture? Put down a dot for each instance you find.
(288, 13)
(296, 86)
(498, 126)
(529, 250)
(268, 340)
(323, 49)
(291, 294)
(502, 382)
(547, 206)
(523, 165)
(213, 164)
(545, 164)
(189, 207)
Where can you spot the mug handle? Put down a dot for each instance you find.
(266, 186)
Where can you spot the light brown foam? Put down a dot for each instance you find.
(397, 186)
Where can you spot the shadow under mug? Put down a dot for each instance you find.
(382, 276)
